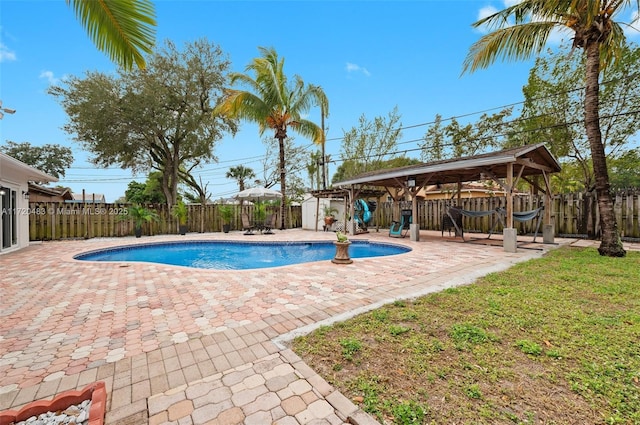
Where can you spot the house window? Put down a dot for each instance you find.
(14, 219)
(9, 226)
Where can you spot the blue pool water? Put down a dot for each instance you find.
(230, 255)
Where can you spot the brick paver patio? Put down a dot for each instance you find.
(188, 346)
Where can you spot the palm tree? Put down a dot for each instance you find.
(240, 174)
(123, 29)
(313, 170)
(602, 40)
(275, 104)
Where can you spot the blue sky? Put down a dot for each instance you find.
(369, 57)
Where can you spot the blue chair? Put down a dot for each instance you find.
(399, 229)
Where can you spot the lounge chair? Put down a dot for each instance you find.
(399, 229)
(246, 225)
(269, 224)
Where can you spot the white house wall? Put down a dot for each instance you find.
(22, 211)
(15, 176)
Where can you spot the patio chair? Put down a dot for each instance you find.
(399, 229)
(453, 220)
(270, 223)
(246, 224)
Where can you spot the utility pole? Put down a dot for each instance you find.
(324, 141)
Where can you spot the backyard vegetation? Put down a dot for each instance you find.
(554, 340)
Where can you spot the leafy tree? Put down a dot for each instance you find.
(602, 40)
(294, 166)
(570, 179)
(51, 159)
(314, 171)
(194, 196)
(160, 118)
(273, 103)
(456, 140)
(552, 110)
(624, 170)
(135, 193)
(240, 174)
(434, 146)
(149, 192)
(197, 190)
(401, 161)
(123, 29)
(366, 146)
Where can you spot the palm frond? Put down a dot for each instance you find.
(612, 48)
(270, 79)
(123, 29)
(524, 12)
(305, 98)
(320, 97)
(243, 105)
(512, 43)
(244, 79)
(274, 102)
(309, 129)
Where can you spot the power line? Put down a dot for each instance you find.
(204, 172)
(477, 139)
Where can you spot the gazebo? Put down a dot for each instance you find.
(506, 167)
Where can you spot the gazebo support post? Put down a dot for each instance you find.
(318, 211)
(352, 211)
(548, 229)
(414, 227)
(510, 234)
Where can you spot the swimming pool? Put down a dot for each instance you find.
(232, 255)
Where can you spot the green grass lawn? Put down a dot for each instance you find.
(554, 341)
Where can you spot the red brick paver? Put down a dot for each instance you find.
(181, 345)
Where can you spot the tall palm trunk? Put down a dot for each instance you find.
(610, 245)
(283, 188)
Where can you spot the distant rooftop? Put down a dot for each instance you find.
(89, 198)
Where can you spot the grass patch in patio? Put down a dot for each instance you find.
(554, 340)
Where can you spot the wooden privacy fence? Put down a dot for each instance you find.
(58, 220)
(574, 214)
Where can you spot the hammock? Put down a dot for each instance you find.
(453, 213)
(521, 216)
(468, 213)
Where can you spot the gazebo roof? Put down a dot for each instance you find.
(527, 161)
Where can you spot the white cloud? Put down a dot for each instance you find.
(486, 11)
(483, 13)
(6, 55)
(560, 34)
(352, 67)
(490, 10)
(633, 30)
(556, 36)
(48, 75)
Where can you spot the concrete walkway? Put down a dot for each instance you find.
(176, 345)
